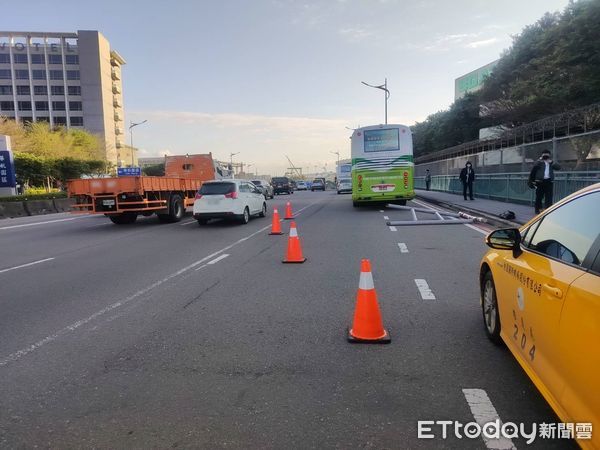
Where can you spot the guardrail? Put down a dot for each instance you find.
(511, 187)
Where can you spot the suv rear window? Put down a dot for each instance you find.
(257, 182)
(280, 180)
(217, 188)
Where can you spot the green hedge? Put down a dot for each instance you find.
(22, 198)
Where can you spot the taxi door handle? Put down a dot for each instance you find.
(553, 290)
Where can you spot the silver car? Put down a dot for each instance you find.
(265, 188)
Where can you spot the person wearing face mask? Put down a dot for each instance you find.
(467, 176)
(542, 179)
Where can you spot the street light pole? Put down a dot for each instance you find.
(383, 87)
(131, 126)
(231, 155)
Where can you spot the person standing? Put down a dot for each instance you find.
(541, 178)
(467, 177)
(427, 179)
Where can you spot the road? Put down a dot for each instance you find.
(174, 335)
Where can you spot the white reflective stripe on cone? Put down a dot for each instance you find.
(275, 211)
(366, 281)
(293, 232)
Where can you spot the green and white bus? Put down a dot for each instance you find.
(382, 164)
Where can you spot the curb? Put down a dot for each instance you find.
(492, 219)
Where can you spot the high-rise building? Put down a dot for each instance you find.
(66, 79)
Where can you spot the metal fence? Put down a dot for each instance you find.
(511, 187)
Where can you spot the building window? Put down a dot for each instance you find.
(4, 58)
(72, 74)
(40, 90)
(43, 119)
(72, 59)
(75, 106)
(22, 74)
(37, 58)
(56, 74)
(23, 90)
(5, 90)
(38, 74)
(5, 74)
(7, 106)
(54, 59)
(24, 106)
(27, 119)
(57, 90)
(77, 121)
(20, 58)
(58, 106)
(74, 90)
(41, 106)
(60, 121)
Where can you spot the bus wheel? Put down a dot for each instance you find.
(402, 202)
(355, 204)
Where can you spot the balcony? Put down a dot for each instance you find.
(118, 117)
(117, 102)
(119, 143)
(116, 73)
(118, 130)
(116, 88)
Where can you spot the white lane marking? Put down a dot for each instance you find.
(386, 218)
(216, 260)
(393, 228)
(26, 265)
(381, 210)
(476, 228)
(43, 223)
(484, 412)
(72, 327)
(188, 223)
(403, 247)
(424, 290)
(201, 267)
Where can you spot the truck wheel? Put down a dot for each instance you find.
(176, 210)
(123, 219)
(355, 204)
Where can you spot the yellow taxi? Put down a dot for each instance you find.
(540, 295)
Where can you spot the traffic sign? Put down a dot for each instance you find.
(129, 171)
(7, 170)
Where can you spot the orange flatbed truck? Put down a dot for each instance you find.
(122, 199)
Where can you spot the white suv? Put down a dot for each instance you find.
(228, 199)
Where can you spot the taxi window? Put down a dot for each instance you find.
(569, 232)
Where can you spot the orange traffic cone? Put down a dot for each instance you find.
(294, 251)
(288, 211)
(276, 225)
(367, 326)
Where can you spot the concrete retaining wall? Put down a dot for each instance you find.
(34, 207)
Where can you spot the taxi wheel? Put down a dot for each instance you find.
(491, 315)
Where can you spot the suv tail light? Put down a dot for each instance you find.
(233, 194)
(198, 195)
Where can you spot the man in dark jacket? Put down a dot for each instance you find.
(542, 179)
(427, 179)
(467, 176)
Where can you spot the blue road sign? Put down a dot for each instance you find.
(129, 171)
(7, 169)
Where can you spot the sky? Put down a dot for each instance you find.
(277, 78)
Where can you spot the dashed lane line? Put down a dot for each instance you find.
(484, 412)
(26, 265)
(403, 247)
(424, 289)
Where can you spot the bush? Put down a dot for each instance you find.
(22, 198)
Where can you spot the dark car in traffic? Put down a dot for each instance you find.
(282, 185)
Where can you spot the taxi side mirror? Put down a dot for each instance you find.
(505, 239)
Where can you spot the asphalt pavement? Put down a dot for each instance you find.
(177, 335)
